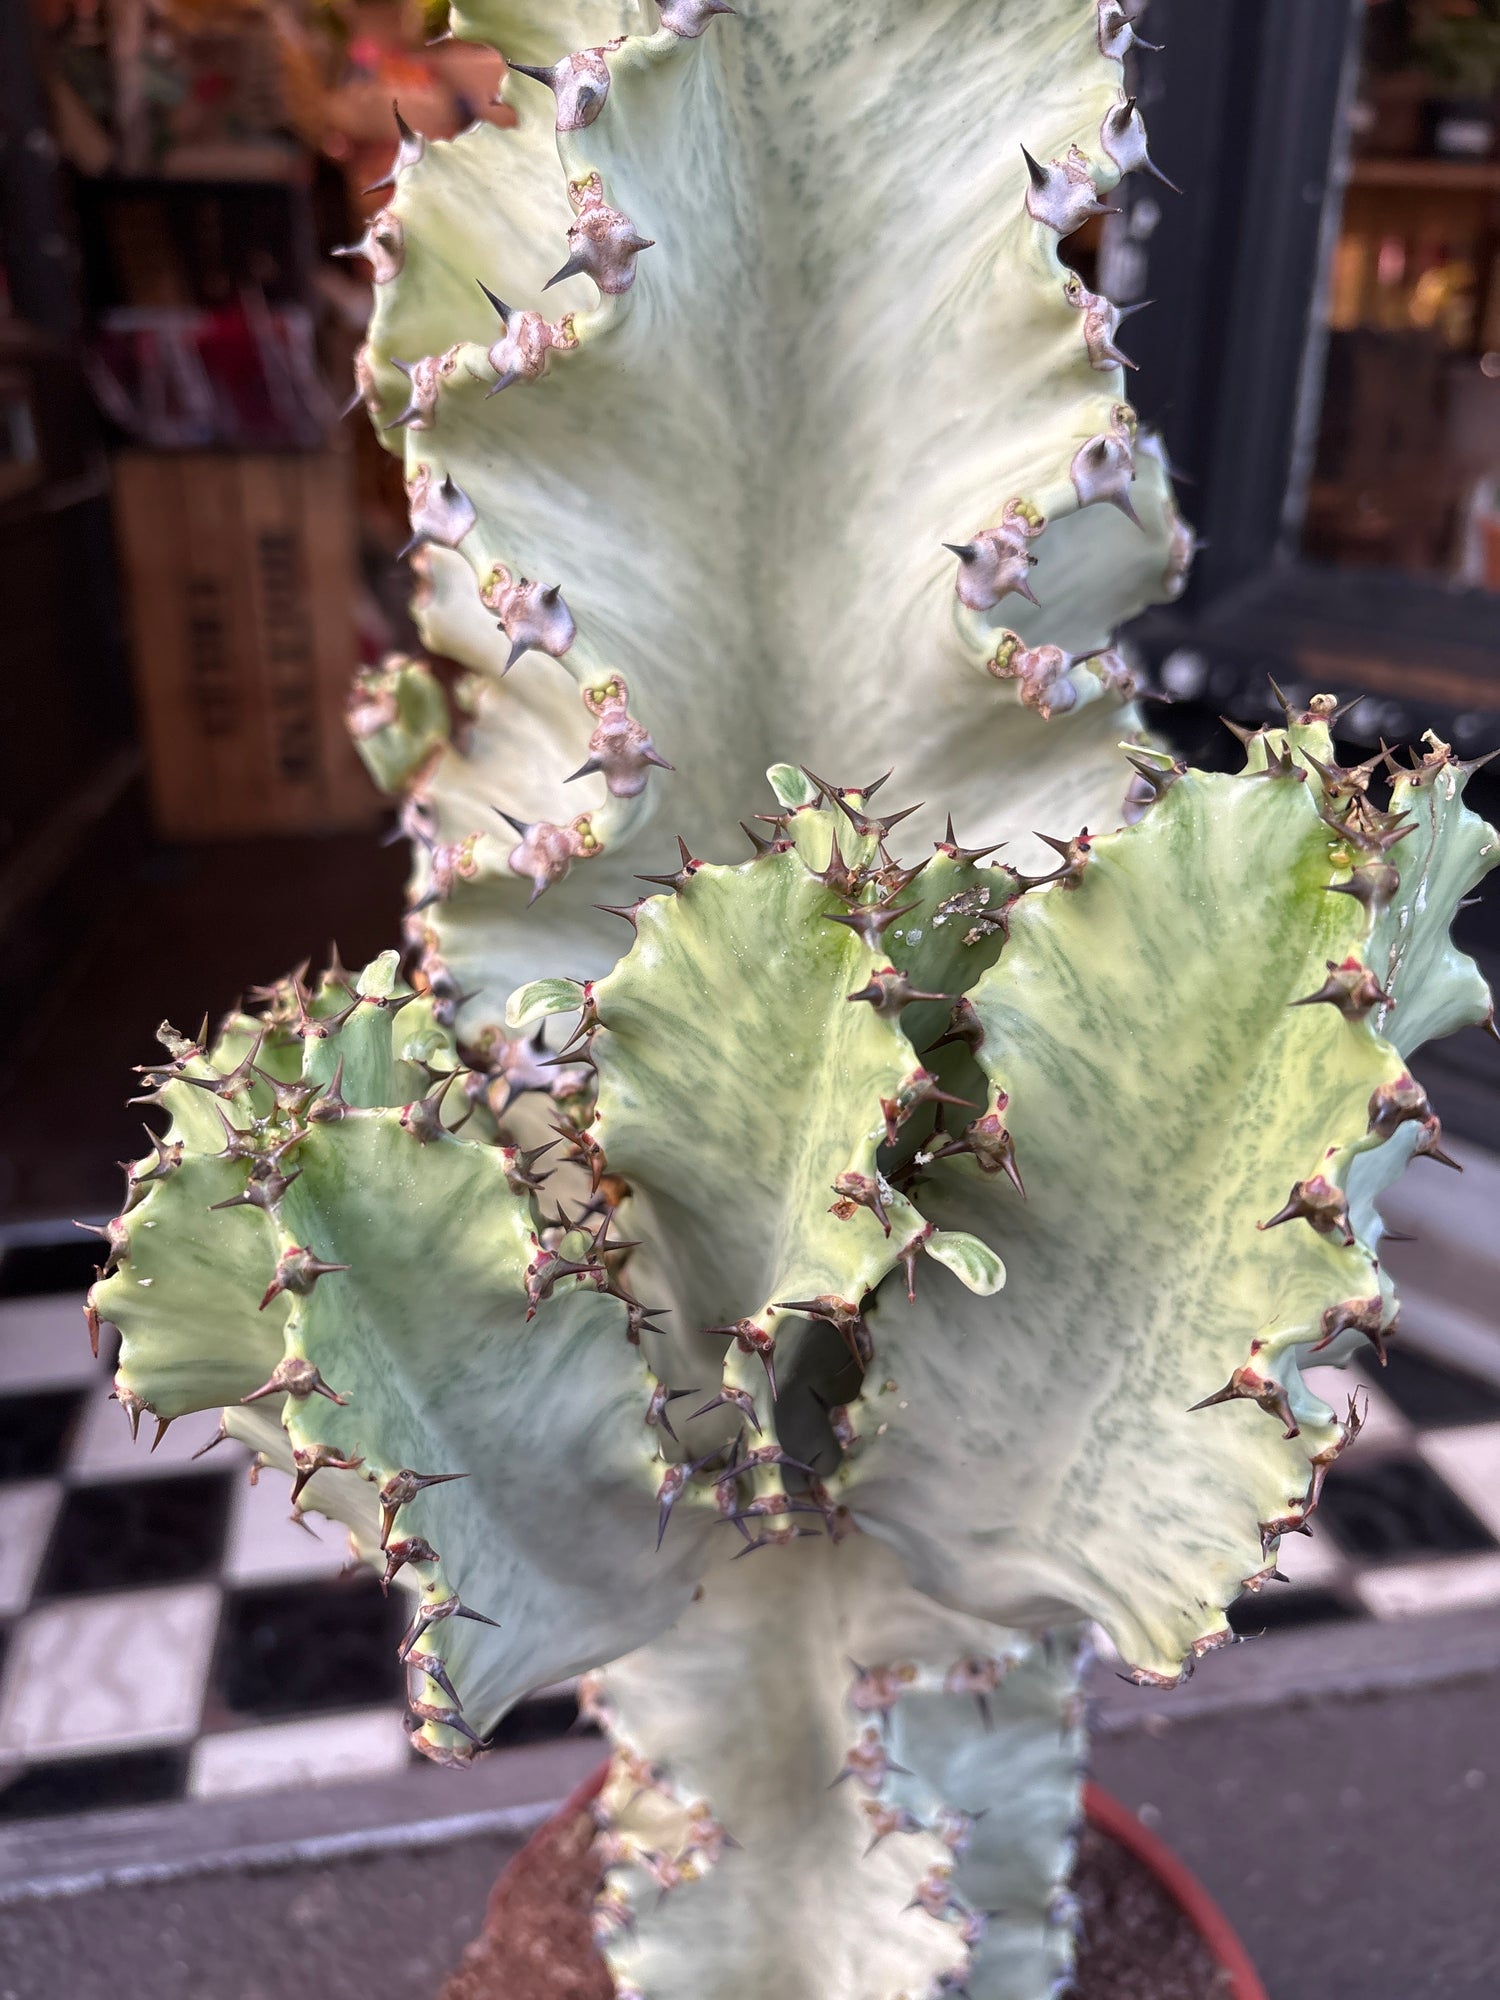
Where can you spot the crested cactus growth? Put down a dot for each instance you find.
(920, 1269)
(898, 1268)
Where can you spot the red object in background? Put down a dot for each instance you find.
(242, 376)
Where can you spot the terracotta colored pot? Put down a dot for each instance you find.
(1105, 1813)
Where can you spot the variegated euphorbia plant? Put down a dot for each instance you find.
(899, 1269)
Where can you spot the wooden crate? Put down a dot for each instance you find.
(239, 574)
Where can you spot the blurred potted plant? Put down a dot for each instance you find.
(1460, 48)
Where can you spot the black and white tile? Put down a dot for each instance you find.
(167, 1630)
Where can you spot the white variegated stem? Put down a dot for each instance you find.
(823, 1783)
(738, 453)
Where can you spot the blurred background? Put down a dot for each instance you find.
(196, 551)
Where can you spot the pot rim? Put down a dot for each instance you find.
(1105, 1813)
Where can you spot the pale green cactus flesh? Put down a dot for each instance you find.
(696, 507)
(853, 1397)
(730, 1019)
(386, 1285)
(1436, 988)
(1167, 1102)
(938, 1788)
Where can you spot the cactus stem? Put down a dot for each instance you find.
(661, 1399)
(309, 1459)
(423, 1117)
(1249, 1384)
(1351, 987)
(220, 1436)
(856, 1190)
(1157, 778)
(294, 1376)
(1062, 196)
(1375, 886)
(404, 1486)
(579, 83)
(1317, 1201)
(996, 564)
(684, 874)
(233, 1082)
(841, 1314)
(840, 877)
(1117, 35)
(870, 921)
(435, 1614)
(1364, 1316)
(688, 18)
(889, 991)
(752, 1338)
(670, 1491)
(736, 1399)
(991, 1145)
(329, 1107)
(410, 147)
(413, 1549)
(297, 1270)
(964, 856)
(263, 1193)
(1123, 137)
(867, 826)
(435, 1667)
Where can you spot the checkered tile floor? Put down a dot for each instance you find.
(167, 1631)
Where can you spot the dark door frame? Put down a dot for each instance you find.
(1247, 107)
